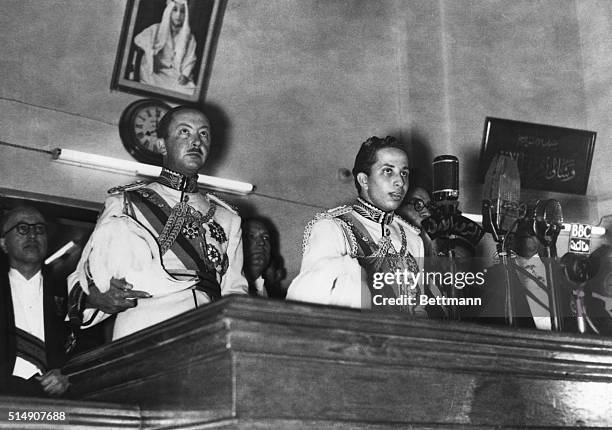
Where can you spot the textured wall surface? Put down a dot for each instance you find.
(299, 84)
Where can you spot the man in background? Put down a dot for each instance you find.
(32, 311)
(598, 290)
(261, 258)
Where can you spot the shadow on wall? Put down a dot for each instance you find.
(420, 154)
(221, 127)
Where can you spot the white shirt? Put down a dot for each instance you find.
(27, 295)
(260, 287)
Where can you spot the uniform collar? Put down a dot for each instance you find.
(371, 212)
(178, 181)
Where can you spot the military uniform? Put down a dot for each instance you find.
(345, 246)
(199, 237)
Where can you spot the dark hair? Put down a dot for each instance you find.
(164, 123)
(3, 220)
(10, 212)
(366, 156)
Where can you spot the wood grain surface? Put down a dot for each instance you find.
(245, 362)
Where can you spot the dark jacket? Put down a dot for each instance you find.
(56, 335)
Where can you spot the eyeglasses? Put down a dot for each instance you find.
(24, 229)
(418, 204)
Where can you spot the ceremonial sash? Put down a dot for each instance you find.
(372, 262)
(156, 211)
(31, 349)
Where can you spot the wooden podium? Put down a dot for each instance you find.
(251, 363)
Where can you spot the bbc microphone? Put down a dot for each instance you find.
(501, 197)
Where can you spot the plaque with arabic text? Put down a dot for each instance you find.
(549, 158)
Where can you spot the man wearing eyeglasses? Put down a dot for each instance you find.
(32, 311)
(414, 209)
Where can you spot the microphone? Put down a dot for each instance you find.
(547, 226)
(445, 179)
(501, 196)
(548, 222)
(500, 213)
(577, 269)
(466, 229)
(445, 197)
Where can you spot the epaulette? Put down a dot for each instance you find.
(336, 212)
(222, 203)
(128, 187)
(332, 214)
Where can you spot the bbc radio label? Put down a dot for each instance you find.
(580, 238)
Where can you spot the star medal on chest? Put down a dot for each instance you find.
(216, 231)
(194, 223)
(191, 230)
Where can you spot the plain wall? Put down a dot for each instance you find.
(301, 83)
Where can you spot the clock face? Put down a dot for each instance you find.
(138, 129)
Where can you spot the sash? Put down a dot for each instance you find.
(31, 349)
(156, 211)
(372, 260)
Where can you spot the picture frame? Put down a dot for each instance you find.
(549, 158)
(147, 64)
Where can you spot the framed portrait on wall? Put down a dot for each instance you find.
(166, 48)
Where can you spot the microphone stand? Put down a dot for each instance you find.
(509, 300)
(580, 312)
(454, 313)
(575, 268)
(553, 299)
(449, 210)
(547, 233)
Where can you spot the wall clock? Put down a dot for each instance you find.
(138, 129)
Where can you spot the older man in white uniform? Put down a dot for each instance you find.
(198, 238)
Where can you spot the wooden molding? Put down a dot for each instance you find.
(245, 358)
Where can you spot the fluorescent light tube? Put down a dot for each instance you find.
(60, 252)
(110, 164)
